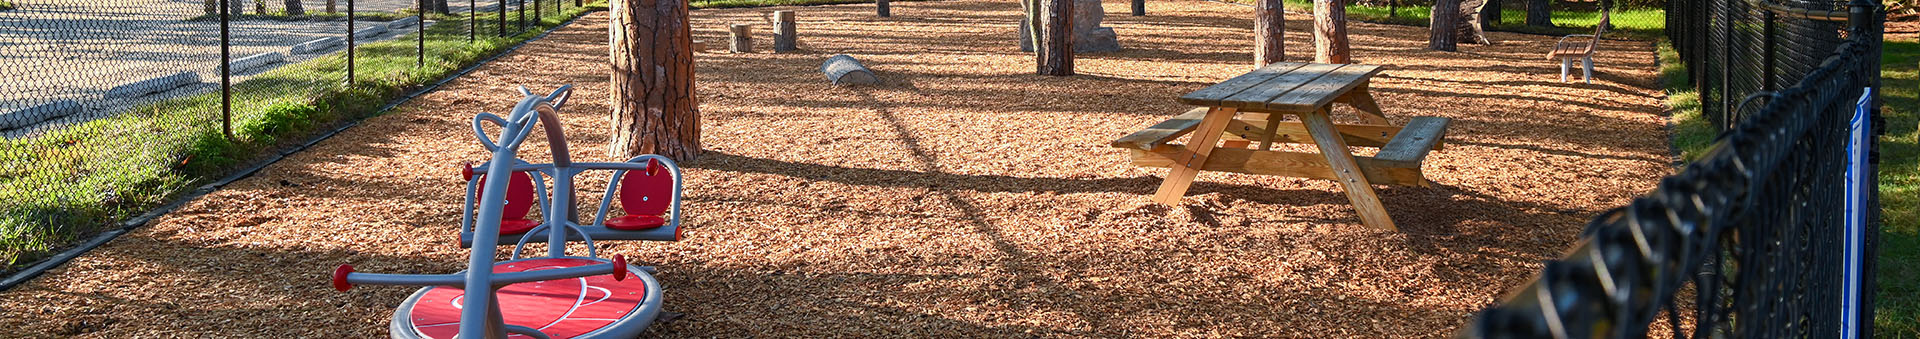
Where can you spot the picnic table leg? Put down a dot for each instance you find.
(1359, 191)
(1362, 100)
(1188, 163)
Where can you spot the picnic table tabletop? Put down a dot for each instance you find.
(1287, 87)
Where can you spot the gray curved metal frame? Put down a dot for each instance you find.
(480, 223)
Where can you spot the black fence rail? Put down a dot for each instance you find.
(109, 107)
(1773, 233)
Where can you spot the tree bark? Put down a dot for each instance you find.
(1269, 32)
(330, 6)
(1470, 24)
(1490, 15)
(654, 110)
(1054, 51)
(294, 8)
(1444, 26)
(1538, 14)
(1330, 32)
(440, 6)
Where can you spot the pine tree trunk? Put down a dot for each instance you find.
(654, 110)
(1269, 32)
(1538, 14)
(1490, 15)
(294, 8)
(440, 6)
(1330, 32)
(1445, 26)
(1054, 50)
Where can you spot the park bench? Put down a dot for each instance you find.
(1567, 51)
(1249, 109)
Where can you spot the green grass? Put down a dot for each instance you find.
(6, 5)
(76, 181)
(701, 4)
(1639, 23)
(1692, 133)
(1897, 312)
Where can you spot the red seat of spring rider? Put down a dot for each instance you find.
(563, 308)
(645, 196)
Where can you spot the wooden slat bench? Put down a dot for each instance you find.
(1248, 110)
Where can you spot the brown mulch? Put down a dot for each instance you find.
(965, 197)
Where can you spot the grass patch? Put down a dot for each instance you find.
(1693, 135)
(1897, 302)
(1637, 23)
(79, 180)
(703, 4)
(6, 5)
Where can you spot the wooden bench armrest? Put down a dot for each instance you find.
(1165, 131)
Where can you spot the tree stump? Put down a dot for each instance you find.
(740, 38)
(1139, 7)
(654, 110)
(1330, 32)
(1444, 26)
(1269, 32)
(1054, 55)
(783, 31)
(1538, 14)
(882, 8)
(843, 69)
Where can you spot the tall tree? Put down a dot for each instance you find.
(654, 110)
(1470, 24)
(1490, 15)
(1269, 32)
(1052, 23)
(1330, 32)
(1538, 14)
(1444, 26)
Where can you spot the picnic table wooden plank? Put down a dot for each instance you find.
(1322, 90)
(1411, 146)
(1257, 97)
(1162, 132)
(1212, 95)
(1351, 176)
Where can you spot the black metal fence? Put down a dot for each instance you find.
(1735, 48)
(1771, 229)
(109, 107)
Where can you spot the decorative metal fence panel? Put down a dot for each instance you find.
(1769, 228)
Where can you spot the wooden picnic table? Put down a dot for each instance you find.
(1260, 99)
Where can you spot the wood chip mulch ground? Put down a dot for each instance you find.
(964, 197)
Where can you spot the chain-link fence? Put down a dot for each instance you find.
(1774, 227)
(1736, 48)
(108, 108)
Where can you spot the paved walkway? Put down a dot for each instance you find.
(77, 49)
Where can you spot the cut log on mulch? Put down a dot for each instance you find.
(963, 197)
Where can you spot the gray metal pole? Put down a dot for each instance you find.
(226, 70)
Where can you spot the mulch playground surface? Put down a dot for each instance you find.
(964, 197)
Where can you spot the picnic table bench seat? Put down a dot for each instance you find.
(1402, 148)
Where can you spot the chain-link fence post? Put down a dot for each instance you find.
(226, 70)
(350, 41)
